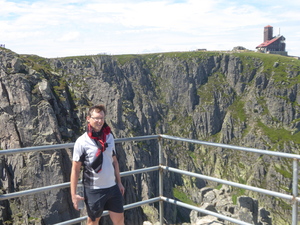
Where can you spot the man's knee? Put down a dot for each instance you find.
(117, 218)
(91, 222)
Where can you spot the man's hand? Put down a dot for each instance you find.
(121, 187)
(76, 199)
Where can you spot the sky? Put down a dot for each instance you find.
(60, 28)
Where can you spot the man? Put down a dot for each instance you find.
(95, 150)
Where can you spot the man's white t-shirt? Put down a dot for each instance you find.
(85, 150)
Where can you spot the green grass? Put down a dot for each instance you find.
(152, 57)
(180, 195)
(279, 73)
(237, 110)
(279, 135)
(240, 192)
(123, 59)
(283, 172)
(36, 62)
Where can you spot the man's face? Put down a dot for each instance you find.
(96, 120)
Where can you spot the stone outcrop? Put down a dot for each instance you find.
(246, 99)
(220, 201)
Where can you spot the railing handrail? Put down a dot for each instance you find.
(36, 148)
(234, 184)
(151, 137)
(67, 184)
(294, 197)
(253, 150)
(69, 145)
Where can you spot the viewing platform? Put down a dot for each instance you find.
(162, 169)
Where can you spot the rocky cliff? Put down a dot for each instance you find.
(246, 99)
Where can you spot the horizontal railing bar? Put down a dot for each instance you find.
(77, 220)
(36, 148)
(105, 213)
(243, 186)
(70, 145)
(67, 184)
(148, 169)
(259, 151)
(138, 138)
(175, 202)
(33, 191)
(150, 137)
(140, 203)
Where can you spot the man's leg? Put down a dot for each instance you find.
(91, 222)
(117, 218)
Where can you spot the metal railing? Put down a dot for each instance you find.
(161, 168)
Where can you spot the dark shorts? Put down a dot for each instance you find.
(98, 200)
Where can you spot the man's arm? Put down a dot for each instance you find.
(117, 174)
(73, 183)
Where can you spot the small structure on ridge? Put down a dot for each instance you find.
(272, 44)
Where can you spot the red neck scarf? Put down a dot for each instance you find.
(99, 137)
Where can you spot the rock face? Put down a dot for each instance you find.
(220, 201)
(245, 99)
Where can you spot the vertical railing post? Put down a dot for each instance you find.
(295, 192)
(161, 182)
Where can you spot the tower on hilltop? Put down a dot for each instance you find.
(272, 44)
(268, 33)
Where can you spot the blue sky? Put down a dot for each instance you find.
(58, 28)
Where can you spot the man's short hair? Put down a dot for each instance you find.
(97, 108)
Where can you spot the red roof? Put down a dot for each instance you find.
(266, 43)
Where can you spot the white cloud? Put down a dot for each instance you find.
(134, 26)
(70, 36)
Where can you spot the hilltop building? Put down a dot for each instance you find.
(272, 44)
